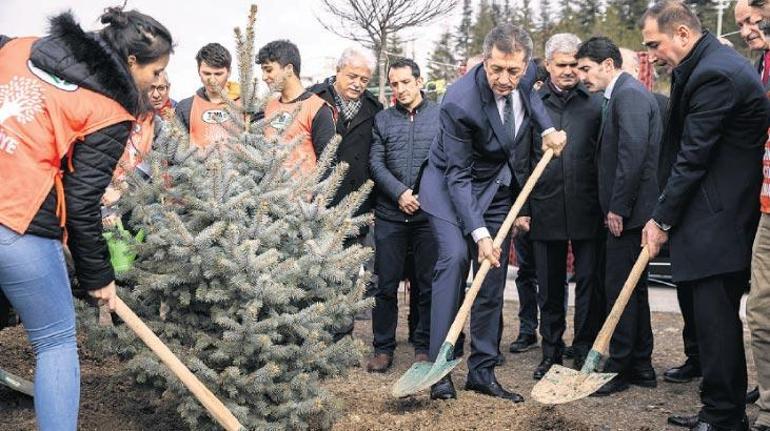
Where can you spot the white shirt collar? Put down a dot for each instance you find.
(611, 86)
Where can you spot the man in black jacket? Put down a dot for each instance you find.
(629, 143)
(402, 136)
(711, 172)
(564, 208)
(356, 108)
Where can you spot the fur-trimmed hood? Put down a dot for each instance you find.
(85, 59)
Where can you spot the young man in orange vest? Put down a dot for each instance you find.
(296, 111)
(205, 114)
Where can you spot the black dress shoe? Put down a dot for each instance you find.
(543, 368)
(684, 421)
(500, 360)
(682, 374)
(444, 389)
(618, 384)
(752, 396)
(523, 343)
(579, 360)
(645, 378)
(705, 426)
(569, 352)
(493, 389)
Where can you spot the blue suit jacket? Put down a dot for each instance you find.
(473, 153)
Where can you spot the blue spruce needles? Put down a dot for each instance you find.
(245, 273)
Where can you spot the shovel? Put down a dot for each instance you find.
(561, 384)
(422, 375)
(16, 383)
(215, 407)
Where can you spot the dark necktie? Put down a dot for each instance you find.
(508, 117)
(605, 104)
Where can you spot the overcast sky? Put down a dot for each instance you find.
(193, 23)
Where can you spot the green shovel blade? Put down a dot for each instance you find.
(422, 375)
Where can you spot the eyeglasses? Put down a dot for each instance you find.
(159, 88)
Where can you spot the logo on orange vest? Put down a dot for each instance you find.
(20, 99)
(215, 116)
(51, 79)
(7, 143)
(281, 121)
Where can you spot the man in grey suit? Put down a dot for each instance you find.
(629, 144)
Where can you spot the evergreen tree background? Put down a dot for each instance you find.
(245, 274)
(616, 19)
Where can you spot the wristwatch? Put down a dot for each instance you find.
(662, 226)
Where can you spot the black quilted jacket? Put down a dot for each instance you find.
(400, 145)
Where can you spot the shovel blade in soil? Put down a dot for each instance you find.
(422, 375)
(16, 383)
(562, 385)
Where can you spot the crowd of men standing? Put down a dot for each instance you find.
(638, 170)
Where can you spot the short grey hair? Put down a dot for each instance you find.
(350, 54)
(563, 43)
(163, 74)
(508, 38)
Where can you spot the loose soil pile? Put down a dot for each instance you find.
(110, 402)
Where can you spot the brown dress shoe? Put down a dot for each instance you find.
(379, 363)
(421, 357)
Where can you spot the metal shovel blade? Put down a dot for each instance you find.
(562, 385)
(422, 375)
(16, 383)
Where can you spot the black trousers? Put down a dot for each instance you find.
(716, 304)
(632, 342)
(526, 284)
(684, 296)
(551, 263)
(392, 242)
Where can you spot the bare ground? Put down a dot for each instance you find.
(108, 402)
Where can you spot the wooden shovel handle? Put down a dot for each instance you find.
(602, 342)
(502, 235)
(215, 407)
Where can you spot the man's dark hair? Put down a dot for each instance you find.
(508, 38)
(541, 73)
(405, 62)
(282, 52)
(669, 14)
(757, 3)
(598, 49)
(215, 55)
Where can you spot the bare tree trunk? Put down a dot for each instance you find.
(383, 78)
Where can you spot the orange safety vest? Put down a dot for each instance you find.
(41, 118)
(139, 144)
(209, 122)
(281, 123)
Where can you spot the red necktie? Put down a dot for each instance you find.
(766, 67)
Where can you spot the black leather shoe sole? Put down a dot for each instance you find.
(646, 383)
(521, 347)
(683, 421)
(752, 396)
(677, 379)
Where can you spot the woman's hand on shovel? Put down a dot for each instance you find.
(106, 295)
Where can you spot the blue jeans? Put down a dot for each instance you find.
(33, 276)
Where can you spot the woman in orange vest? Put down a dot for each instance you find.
(67, 104)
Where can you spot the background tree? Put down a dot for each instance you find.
(372, 22)
(443, 63)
